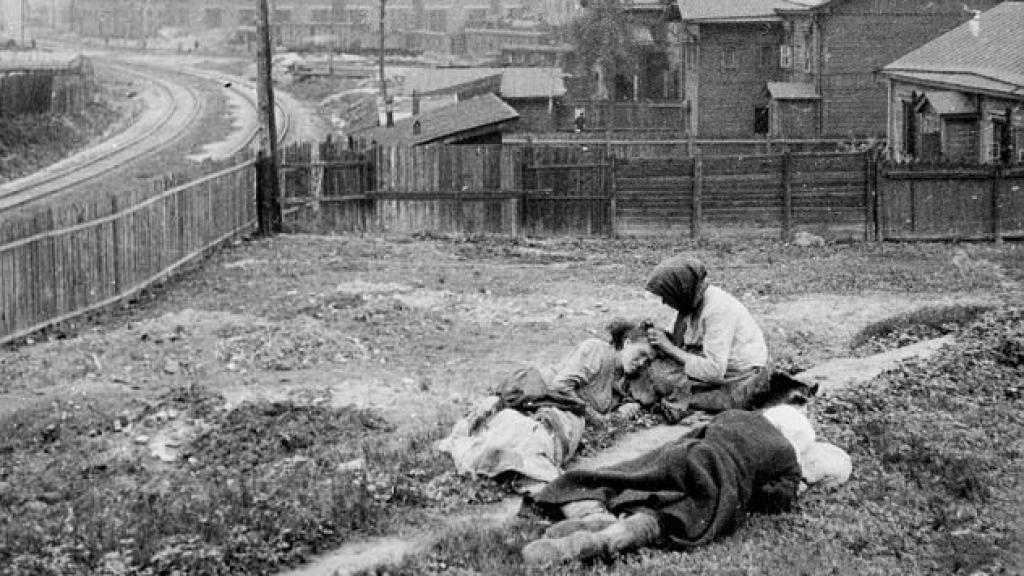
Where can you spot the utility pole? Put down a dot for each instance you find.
(388, 118)
(268, 205)
(21, 12)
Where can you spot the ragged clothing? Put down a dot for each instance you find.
(698, 487)
(536, 423)
(731, 343)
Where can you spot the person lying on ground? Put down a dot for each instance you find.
(535, 421)
(715, 344)
(688, 492)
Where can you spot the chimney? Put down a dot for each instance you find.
(415, 103)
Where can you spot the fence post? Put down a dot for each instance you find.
(997, 201)
(787, 196)
(870, 193)
(880, 174)
(268, 206)
(697, 215)
(613, 213)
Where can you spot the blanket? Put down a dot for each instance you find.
(699, 486)
(491, 444)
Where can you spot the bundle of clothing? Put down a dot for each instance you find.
(535, 421)
(687, 492)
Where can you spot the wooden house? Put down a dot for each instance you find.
(800, 68)
(960, 97)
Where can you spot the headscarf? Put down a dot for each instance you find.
(680, 281)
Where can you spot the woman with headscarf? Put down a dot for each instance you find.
(715, 339)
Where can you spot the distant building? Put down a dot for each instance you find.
(960, 97)
(800, 68)
(479, 120)
(535, 93)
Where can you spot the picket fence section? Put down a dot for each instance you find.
(62, 262)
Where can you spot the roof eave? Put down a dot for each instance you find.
(906, 76)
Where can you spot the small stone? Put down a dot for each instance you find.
(171, 366)
(49, 497)
(408, 381)
(142, 439)
(172, 413)
(352, 466)
(806, 239)
(161, 416)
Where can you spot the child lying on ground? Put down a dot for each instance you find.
(535, 422)
(687, 492)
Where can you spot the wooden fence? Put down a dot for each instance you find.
(62, 262)
(936, 203)
(40, 89)
(651, 147)
(561, 189)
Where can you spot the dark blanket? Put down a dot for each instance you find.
(699, 486)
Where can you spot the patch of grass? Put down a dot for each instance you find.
(937, 484)
(28, 143)
(921, 324)
(264, 487)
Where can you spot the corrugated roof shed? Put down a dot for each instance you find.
(985, 54)
(442, 123)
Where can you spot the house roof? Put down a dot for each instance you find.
(532, 82)
(948, 102)
(986, 54)
(740, 10)
(512, 82)
(792, 91)
(468, 115)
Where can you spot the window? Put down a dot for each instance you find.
(808, 51)
(691, 56)
(999, 146)
(247, 17)
(730, 60)
(785, 56)
(767, 59)
(762, 120)
(321, 15)
(909, 129)
(282, 16)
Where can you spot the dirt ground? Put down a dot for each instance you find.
(419, 328)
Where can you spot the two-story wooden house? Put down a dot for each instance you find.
(801, 68)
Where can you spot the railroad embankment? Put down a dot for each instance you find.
(32, 141)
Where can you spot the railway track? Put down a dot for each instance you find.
(180, 107)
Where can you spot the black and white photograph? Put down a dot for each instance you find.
(512, 287)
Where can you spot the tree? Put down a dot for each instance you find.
(604, 46)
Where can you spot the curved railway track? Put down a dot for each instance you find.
(181, 107)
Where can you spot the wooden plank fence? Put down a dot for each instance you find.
(937, 203)
(40, 89)
(583, 189)
(62, 262)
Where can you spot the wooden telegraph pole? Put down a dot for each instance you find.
(388, 119)
(268, 200)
